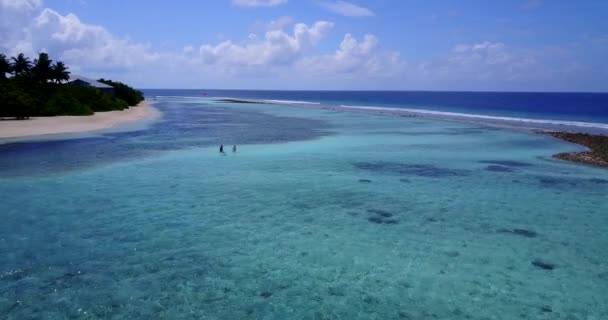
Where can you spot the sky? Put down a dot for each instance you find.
(466, 45)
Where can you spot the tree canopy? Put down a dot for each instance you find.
(41, 89)
(124, 92)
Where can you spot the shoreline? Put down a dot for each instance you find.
(57, 125)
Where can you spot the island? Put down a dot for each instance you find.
(42, 97)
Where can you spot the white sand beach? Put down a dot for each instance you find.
(38, 126)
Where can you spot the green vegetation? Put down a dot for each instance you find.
(124, 92)
(597, 144)
(39, 88)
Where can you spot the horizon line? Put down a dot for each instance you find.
(372, 90)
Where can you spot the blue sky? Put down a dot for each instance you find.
(519, 45)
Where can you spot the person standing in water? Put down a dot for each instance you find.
(222, 149)
(234, 148)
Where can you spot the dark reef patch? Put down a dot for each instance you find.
(377, 220)
(545, 265)
(599, 181)
(468, 131)
(497, 168)
(549, 181)
(421, 170)
(520, 232)
(506, 163)
(382, 213)
(381, 217)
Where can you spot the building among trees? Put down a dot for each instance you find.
(86, 82)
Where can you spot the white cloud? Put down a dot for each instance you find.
(277, 47)
(486, 60)
(257, 3)
(347, 9)
(284, 54)
(66, 38)
(280, 23)
(20, 4)
(364, 57)
(15, 15)
(188, 49)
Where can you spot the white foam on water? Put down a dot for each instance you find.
(291, 102)
(180, 97)
(532, 123)
(446, 114)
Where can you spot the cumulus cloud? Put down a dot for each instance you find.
(280, 23)
(65, 37)
(285, 54)
(483, 61)
(364, 57)
(257, 3)
(15, 15)
(347, 9)
(277, 48)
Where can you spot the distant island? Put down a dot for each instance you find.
(44, 88)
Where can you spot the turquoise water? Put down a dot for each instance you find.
(351, 216)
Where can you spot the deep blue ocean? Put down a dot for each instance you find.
(587, 107)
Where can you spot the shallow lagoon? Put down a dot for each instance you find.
(320, 215)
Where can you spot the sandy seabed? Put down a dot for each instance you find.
(39, 126)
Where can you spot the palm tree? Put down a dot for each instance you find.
(5, 66)
(42, 68)
(59, 72)
(21, 64)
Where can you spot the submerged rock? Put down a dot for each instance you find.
(380, 220)
(506, 163)
(497, 168)
(520, 232)
(543, 264)
(422, 170)
(381, 213)
(452, 254)
(597, 180)
(13, 307)
(549, 181)
(546, 308)
(375, 220)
